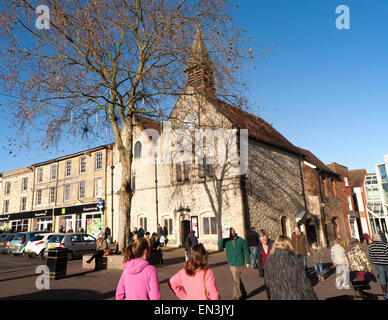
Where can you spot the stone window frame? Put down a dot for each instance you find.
(170, 223)
(24, 183)
(98, 160)
(7, 188)
(6, 206)
(68, 168)
(96, 188)
(40, 175)
(52, 195)
(210, 216)
(38, 197)
(142, 221)
(82, 165)
(53, 171)
(66, 192)
(81, 190)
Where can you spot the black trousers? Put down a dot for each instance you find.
(98, 256)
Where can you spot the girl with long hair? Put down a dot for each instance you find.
(139, 280)
(196, 278)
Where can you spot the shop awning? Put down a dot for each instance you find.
(27, 215)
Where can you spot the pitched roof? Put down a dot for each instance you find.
(357, 177)
(258, 128)
(148, 123)
(310, 157)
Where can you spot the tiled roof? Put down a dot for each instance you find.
(356, 177)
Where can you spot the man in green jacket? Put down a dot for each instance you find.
(236, 251)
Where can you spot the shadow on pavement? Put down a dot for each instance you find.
(63, 294)
(256, 291)
(20, 277)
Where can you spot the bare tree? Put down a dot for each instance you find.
(111, 60)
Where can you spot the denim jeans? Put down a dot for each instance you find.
(383, 273)
(319, 268)
(303, 258)
(253, 256)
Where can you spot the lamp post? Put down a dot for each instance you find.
(156, 189)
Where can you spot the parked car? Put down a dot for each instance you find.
(18, 244)
(5, 239)
(37, 245)
(78, 244)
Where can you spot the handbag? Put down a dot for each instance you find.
(204, 285)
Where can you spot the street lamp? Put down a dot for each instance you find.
(156, 189)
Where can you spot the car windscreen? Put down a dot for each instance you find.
(20, 236)
(36, 238)
(55, 238)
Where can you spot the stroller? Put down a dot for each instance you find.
(362, 291)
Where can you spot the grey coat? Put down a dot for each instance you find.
(286, 278)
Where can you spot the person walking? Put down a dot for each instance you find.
(190, 241)
(139, 280)
(383, 237)
(101, 234)
(141, 232)
(358, 261)
(378, 254)
(159, 230)
(264, 250)
(341, 262)
(236, 252)
(253, 243)
(301, 246)
(147, 237)
(107, 235)
(318, 254)
(284, 274)
(61, 229)
(196, 279)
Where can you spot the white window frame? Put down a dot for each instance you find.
(38, 197)
(346, 181)
(80, 196)
(68, 168)
(350, 203)
(40, 174)
(52, 195)
(81, 163)
(98, 162)
(53, 169)
(66, 199)
(24, 183)
(21, 203)
(97, 188)
(6, 206)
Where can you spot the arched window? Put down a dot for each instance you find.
(138, 149)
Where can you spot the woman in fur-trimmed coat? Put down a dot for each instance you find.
(285, 275)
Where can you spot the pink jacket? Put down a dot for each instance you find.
(139, 281)
(194, 288)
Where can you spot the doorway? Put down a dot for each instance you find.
(185, 230)
(284, 225)
(311, 231)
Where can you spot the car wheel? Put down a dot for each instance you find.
(41, 255)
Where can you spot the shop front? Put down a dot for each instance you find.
(87, 217)
(27, 221)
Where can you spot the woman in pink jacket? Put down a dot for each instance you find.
(196, 278)
(139, 280)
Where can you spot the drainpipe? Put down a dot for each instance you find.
(112, 192)
(156, 190)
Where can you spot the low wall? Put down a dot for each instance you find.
(113, 262)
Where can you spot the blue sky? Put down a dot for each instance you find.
(324, 89)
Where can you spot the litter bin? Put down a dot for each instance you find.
(57, 262)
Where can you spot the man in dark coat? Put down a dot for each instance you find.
(191, 240)
(253, 242)
(264, 250)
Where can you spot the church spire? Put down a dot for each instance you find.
(199, 68)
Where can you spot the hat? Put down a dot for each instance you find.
(192, 232)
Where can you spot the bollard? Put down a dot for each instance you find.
(57, 262)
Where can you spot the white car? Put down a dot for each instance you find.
(37, 245)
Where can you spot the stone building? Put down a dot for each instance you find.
(59, 192)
